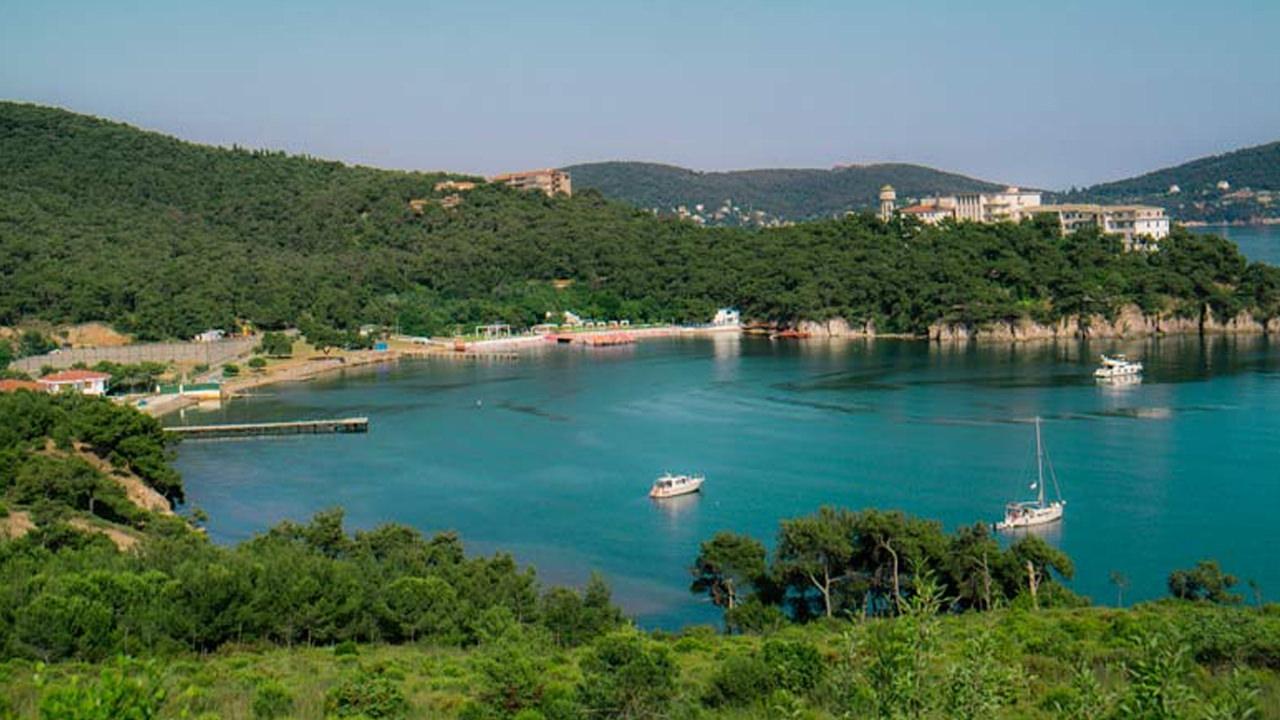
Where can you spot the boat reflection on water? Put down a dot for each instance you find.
(679, 506)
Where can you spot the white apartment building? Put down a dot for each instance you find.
(1139, 224)
(1011, 204)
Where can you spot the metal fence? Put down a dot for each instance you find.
(210, 353)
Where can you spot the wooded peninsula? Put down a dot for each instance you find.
(198, 237)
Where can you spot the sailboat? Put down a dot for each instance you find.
(1035, 512)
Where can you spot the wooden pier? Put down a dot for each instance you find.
(301, 427)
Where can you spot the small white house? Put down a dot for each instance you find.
(85, 382)
(210, 336)
(727, 316)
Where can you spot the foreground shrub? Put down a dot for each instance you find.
(740, 680)
(627, 676)
(796, 667)
(366, 695)
(122, 691)
(271, 700)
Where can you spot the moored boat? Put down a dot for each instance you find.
(1030, 513)
(1117, 367)
(673, 485)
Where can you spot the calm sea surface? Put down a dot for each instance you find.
(1257, 242)
(551, 457)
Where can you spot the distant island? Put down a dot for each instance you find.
(767, 196)
(1236, 187)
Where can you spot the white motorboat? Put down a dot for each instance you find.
(1035, 512)
(1118, 367)
(674, 485)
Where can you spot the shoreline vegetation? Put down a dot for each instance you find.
(1129, 324)
(848, 614)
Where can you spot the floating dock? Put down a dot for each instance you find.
(300, 427)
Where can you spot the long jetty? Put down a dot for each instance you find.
(300, 427)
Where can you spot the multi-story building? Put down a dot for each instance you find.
(1139, 224)
(1011, 204)
(548, 180)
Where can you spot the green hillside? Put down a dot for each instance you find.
(162, 238)
(1253, 192)
(781, 194)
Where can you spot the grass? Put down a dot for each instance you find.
(1040, 651)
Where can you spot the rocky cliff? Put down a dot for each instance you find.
(1129, 322)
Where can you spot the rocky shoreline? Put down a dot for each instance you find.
(1130, 322)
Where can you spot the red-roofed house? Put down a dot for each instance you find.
(15, 385)
(86, 382)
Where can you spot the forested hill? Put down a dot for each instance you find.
(1253, 187)
(781, 194)
(161, 238)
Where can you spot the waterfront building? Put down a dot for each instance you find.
(547, 180)
(85, 382)
(727, 317)
(1141, 225)
(888, 198)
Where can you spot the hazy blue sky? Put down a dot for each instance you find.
(1075, 93)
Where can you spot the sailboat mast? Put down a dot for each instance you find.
(1039, 463)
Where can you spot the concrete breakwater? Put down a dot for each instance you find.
(1129, 322)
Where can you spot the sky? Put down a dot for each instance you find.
(1046, 95)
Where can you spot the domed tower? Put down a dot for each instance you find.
(887, 200)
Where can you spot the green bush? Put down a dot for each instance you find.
(366, 695)
(258, 362)
(740, 680)
(626, 675)
(230, 370)
(275, 344)
(796, 667)
(271, 700)
(346, 647)
(122, 691)
(755, 617)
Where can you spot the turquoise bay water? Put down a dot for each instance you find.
(551, 457)
(1257, 242)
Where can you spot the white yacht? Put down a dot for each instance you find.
(1035, 512)
(1118, 367)
(672, 485)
